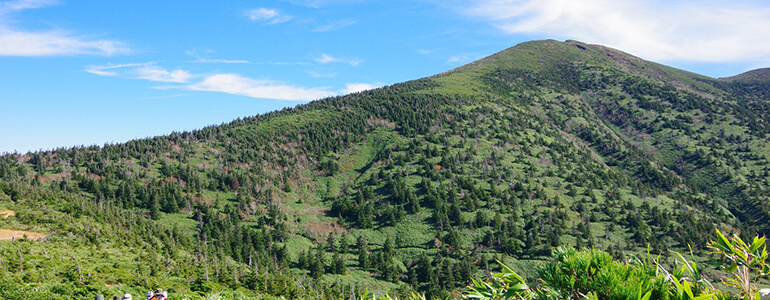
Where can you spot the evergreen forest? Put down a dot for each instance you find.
(418, 188)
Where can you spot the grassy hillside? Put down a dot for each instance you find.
(415, 186)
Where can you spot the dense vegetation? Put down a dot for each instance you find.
(416, 186)
(592, 274)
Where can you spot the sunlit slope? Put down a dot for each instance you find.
(418, 185)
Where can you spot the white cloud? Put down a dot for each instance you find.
(458, 59)
(155, 73)
(270, 15)
(224, 83)
(334, 26)
(18, 42)
(358, 87)
(690, 30)
(102, 70)
(198, 59)
(54, 43)
(263, 89)
(326, 58)
(11, 6)
(262, 14)
(464, 58)
(147, 71)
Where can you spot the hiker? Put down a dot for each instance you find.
(149, 295)
(159, 295)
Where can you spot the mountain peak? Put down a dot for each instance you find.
(544, 55)
(552, 59)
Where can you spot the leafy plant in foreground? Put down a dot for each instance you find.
(579, 274)
(593, 274)
(504, 285)
(746, 262)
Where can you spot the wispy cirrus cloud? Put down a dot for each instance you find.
(229, 83)
(54, 43)
(464, 58)
(461, 58)
(269, 15)
(20, 42)
(200, 59)
(158, 74)
(147, 71)
(109, 69)
(326, 58)
(263, 89)
(689, 30)
(425, 51)
(334, 26)
(12, 6)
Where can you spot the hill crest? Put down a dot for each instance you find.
(418, 185)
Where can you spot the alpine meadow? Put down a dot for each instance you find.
(535, 160)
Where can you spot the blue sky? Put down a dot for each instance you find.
(95, 72)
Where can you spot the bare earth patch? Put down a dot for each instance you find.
(50, 178)
(7, 213)
(313, 210)
(322, 229)
(8, 234)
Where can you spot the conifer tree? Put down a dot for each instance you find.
(364, 261)
(338, 264)
(331, 243)
(344, 243)
(155, 209)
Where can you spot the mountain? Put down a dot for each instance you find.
(419, 185)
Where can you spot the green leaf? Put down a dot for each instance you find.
(646, 296)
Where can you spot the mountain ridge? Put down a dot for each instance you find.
(414, 186)
(761, 74)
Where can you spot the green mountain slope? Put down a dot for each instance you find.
(418, 185)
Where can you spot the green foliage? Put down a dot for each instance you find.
(576, 274)
(504, 285)
(592, 274)
(544, 145)
(746, 262)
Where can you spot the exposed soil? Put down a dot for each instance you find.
(8, 234)
(322, 229)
